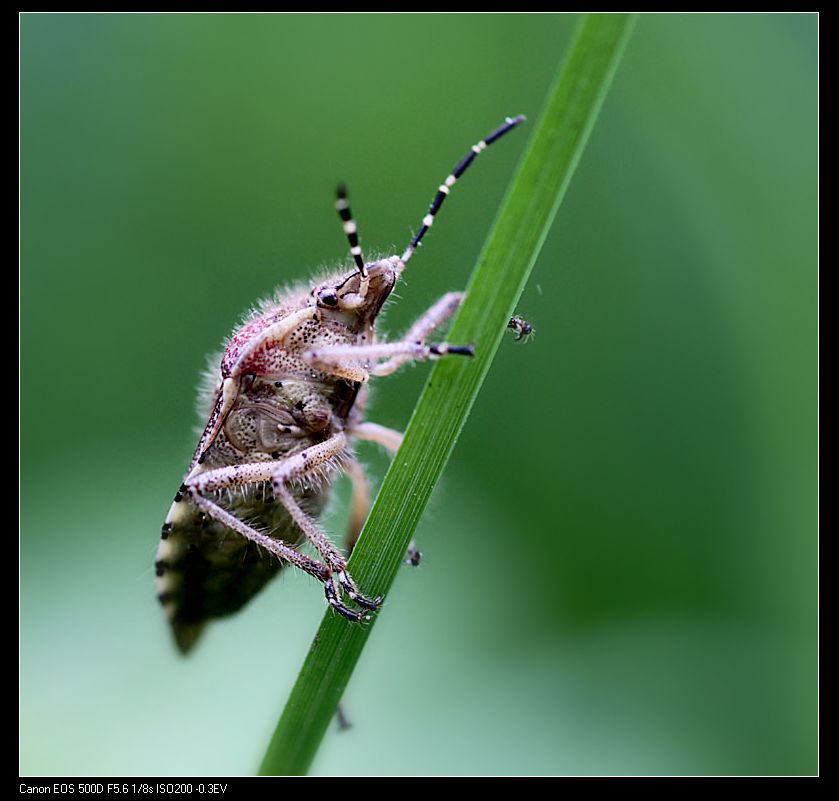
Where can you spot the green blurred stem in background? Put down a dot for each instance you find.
(505, 263)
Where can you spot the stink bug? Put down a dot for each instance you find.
(285, 401)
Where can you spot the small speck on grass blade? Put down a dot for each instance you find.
(555, 146)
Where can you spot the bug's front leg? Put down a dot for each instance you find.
(315, 461)
(332, 358)
(360, 359)
(423, 328)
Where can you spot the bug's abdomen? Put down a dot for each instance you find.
(205, 571)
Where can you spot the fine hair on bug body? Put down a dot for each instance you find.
(284, 402)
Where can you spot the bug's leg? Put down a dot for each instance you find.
(238, 360)
(381, 435)
(352, 362)
(324, 573)
(390, 440)
(340, 577)
(311, 459)
(451, 179)
(333, 597)
(441, 311)
(332, 358)
(314, 461)
(317, 459)
(275, 547)
(435, 317)
(360, 506)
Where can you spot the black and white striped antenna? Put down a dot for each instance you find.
(342, 206)
(451, 179)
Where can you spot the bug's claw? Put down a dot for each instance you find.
(334, 601)
(368, 604)
(341, 580)
(444, 349)
(348, 585)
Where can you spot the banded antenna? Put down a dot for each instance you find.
(342, 206)
(451, 179)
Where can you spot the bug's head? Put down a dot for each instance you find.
(362, 292)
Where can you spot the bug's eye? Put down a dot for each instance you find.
(328, 297)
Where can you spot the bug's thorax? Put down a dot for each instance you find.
(269, 396)
(339, 311)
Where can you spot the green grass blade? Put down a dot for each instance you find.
(531, 203)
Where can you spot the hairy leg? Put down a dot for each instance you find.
(352, 362)
(360, 506)
(314, 461)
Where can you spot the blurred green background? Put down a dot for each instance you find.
(620, 570)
